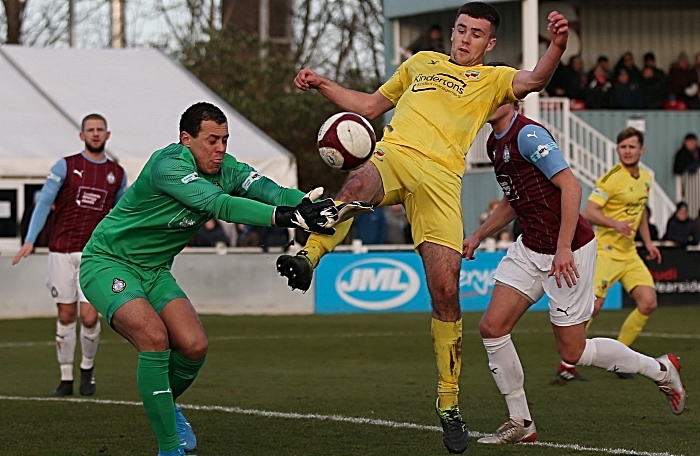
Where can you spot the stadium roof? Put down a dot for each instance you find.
(142, 93)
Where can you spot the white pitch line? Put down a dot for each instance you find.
(359, 335)
(338, 418)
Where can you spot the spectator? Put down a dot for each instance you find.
(211, 234)
(687, 159)
(626, 63)
(396, 222)
(371, 227)
(430, 41)
(697, 66)
(683, 81)
(653, 230)
(557, 85)
(274, 236)
(654, 83)
(627, 93)
(575, 78)
(599, 92)
(602, 63)
(681, 229)
(248, 236)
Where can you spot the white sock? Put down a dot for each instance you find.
(567, 364)
(89, 339)
(614, 356)
(65, 349)
(508, 373)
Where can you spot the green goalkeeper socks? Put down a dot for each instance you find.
(156, 393)
(182, 372)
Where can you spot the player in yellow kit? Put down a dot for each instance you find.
(617, 208)
(441, 103)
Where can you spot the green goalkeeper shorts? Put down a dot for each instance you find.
(109, 283)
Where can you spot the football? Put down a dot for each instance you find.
(346, 141)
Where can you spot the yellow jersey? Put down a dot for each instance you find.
(621, 197)
(440, 105)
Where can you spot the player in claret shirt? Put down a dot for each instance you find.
(125, 270)
(83, 187)
(555, 255)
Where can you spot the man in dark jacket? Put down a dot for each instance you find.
(687, 159)
(681, 229)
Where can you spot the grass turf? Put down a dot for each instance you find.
(379, 367)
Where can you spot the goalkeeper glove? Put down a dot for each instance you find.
(308, 215)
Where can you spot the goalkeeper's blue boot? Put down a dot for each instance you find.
(188, 441)
(175, 452)
(297, 269)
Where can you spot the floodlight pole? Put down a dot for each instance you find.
(530, 14)
(71, 23)
(117, 23)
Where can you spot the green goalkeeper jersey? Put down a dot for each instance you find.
(171, 200)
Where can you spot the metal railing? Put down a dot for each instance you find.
(589, 153)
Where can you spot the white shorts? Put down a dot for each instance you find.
(63, 280)
(527, 272)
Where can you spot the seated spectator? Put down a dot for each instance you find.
(557, 85)
(627, 93)
(654, 83)
(430, 41)
(681, 229)
(575, 78)
(598, 94)
(653, 231)
(274, 236)
(626, 63)
(248, 236)
(687, 159)
(210, 234)
(683, 82)
(370, 228)
(396, 222)
(602, 63)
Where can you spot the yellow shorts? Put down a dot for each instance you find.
(429, 192)
(630, 272)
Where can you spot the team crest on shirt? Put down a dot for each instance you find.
(647, 186)
(604, 285)
(111, 179)
(471, 74)
(506, 154)
(118, 285)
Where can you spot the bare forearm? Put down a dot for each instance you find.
(570, 203)
(350, 100)
(536, 80)
(499, 218)
(595, 217)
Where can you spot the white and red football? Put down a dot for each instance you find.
(346, 141)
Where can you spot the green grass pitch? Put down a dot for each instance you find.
(329, 381)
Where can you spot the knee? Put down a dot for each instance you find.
(195, 350)
(446, 303)
(571, 354)
(647, 306)
(67, 315)
(490, 329)
(89, 321)
(153, 341)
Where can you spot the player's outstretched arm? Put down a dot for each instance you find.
(499, 218)
(536, 80)
(368, 105)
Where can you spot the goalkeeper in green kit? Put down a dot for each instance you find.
(125, 268)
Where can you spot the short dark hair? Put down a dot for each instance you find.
(192, 118)
(690, 136)
(481, 10)
(92, 116)
(628, 133)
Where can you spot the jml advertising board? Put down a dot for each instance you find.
(395, 282)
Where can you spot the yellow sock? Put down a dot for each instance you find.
(632, 327)
(447, 341)
(319, 244)
(588, 325)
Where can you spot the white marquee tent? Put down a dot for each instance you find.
(44, 94)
